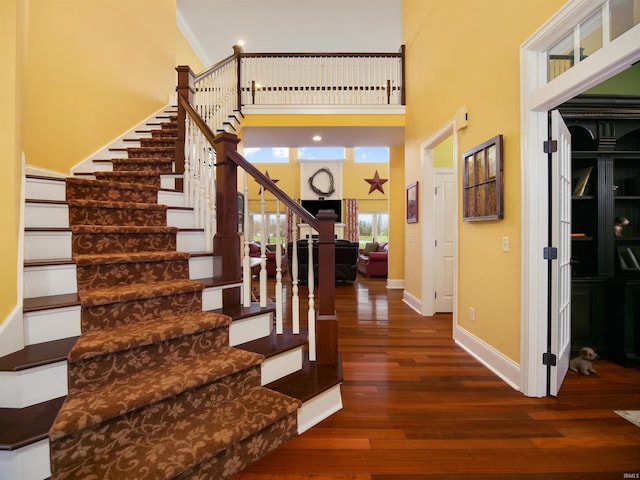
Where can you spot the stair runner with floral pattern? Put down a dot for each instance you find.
(155, 390)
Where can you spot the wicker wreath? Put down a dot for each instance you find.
(315, 189)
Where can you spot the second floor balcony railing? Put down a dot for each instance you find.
(322, 78)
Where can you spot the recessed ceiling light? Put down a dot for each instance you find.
(317, 138)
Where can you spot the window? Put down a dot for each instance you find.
(371, 154)
(267, 155)
(271, 220)
(321, 153)
(608, 22)
(373, 227)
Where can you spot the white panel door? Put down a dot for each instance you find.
(560, 281)
(445, 191)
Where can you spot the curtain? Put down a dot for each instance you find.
(290, 226)
(352, 230)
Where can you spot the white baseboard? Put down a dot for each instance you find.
(505, 368)
(318, 408)
(413, 301)
(12, 332)
(395, 283)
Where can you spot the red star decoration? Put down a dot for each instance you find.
(376, 183)
(273, 180)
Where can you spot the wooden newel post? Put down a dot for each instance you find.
(226, 241)
(326, 319)
(185, 91)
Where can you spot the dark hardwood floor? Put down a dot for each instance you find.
(417, 406)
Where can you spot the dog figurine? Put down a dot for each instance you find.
(583, 363)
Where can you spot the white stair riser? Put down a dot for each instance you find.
(41, 189)
(46, 215)
(34, 385)
(172, 199)
(193, 242)
(44, 245)
(180, 218)
(45, 280)
(318, 408)
(169, 181)
(51, 244)
(281, 365)
(201, 267)
(42, 281)
(212, 298)
(51, 324)
(27, 463)
(252, 328)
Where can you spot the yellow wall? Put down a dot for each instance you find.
(466, 53)
(95, 69)
(13, 18)
(185, 55)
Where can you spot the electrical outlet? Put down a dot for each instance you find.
(505, 244)
(472, 314)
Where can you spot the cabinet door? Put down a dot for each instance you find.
(588, 315)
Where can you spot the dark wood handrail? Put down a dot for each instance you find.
(256, 174)
(236, 53)
(322, 54)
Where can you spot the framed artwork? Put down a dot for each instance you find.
(412, 203)
(482, 182)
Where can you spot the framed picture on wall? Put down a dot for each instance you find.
(482, 183)
(412, 203)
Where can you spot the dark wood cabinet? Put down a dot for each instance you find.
(605, 144)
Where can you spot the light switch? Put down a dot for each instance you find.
(505, 244)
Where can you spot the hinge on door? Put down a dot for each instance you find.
(549, 359)
(435, 294)
(550, 253)
(436, 190)
(550, 146)
(436, 243)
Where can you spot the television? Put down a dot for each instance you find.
(313, 206)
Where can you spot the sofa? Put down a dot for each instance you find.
(256, 252)
(372, 259)
(346, 257)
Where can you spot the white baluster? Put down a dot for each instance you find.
(246, 260)
(311, 313)
(295, 300)
(279, 321)
(263, 256)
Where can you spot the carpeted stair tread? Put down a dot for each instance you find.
(125, 337)
(134, 257)
(78, 181)
(136, 292)
(191, 441)
(95, 404)
(108, 229)
(118, 204)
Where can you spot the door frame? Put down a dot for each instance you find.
(537, 97)
(427, 207)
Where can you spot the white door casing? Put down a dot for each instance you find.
(445, 218)
(537, 97)
(427, 218)
(560, 281)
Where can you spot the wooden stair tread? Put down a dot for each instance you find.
(275, 344)
(24, 426)
(37, 354)
(238, 312)
(313, 379)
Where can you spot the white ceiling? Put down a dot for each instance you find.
(212, 27)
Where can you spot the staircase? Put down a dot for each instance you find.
(132, 368)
